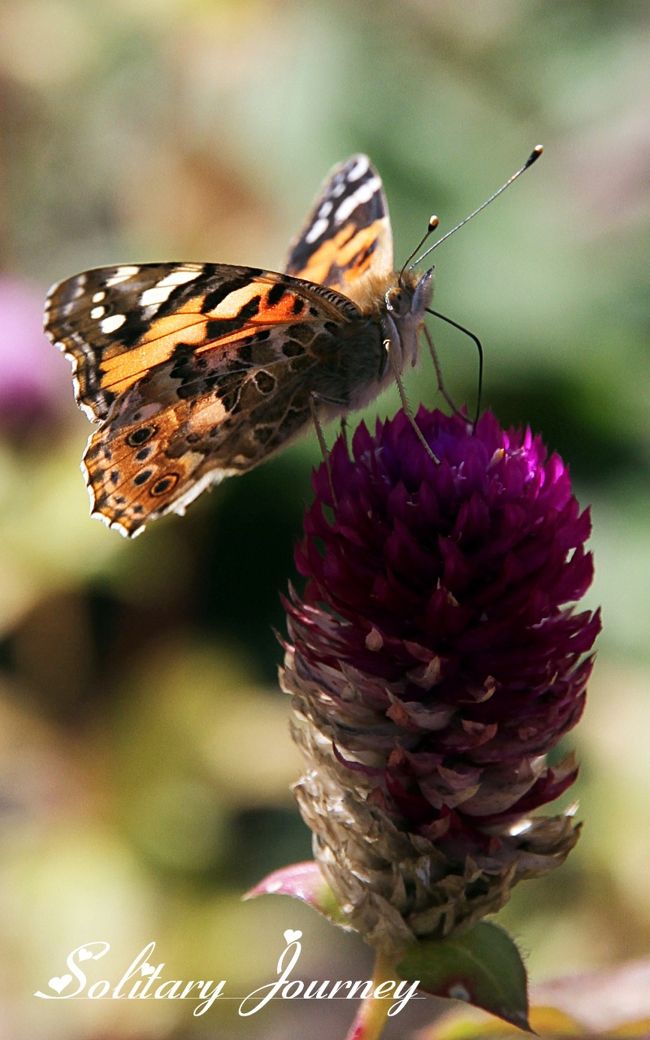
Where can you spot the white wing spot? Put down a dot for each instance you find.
(177, 277)
(318, 228)
(99, 296)
(363, 194)
(97, 312)
(326, 208)
(112, 323)
(161, 291)
(156, 295)
(121, 275)
(360, 167)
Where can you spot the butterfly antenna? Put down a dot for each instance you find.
(533, 157)
(433, 224)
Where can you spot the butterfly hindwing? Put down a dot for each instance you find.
(348, 234)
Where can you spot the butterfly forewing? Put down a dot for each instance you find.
(118, 323)
(347, 235)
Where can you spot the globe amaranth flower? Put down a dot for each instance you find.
(434, 660)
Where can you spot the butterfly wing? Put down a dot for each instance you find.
(199, 371)
(347, 235)
(116, 323)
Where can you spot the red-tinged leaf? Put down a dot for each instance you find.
(302, 881)
(482, 967)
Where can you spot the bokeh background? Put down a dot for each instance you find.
(145, 761)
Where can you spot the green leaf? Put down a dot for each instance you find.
(302, 881)
(482, 967)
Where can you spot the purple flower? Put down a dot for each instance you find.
(434, 662)
(34, 383)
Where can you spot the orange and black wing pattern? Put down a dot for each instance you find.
(347, 237)
(195, 372)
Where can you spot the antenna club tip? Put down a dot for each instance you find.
(534, 155)
(433, 222)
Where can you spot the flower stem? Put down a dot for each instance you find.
(371, 1018)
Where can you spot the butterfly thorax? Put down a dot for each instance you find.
(369, 291)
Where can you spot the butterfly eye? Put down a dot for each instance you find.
(395, 299)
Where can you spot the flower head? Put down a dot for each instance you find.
(435, 660)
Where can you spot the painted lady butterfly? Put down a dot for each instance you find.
(195, 372)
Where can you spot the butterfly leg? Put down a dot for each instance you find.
(479, 347)
(405, 404)
(442, 389)
(314, 399)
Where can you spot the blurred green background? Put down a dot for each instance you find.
(145, 761)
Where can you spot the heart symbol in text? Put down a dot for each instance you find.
(59, 982)
(291, 936)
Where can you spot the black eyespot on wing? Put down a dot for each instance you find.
(140, 436)
(165, 484)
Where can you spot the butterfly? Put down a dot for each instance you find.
(198, 371)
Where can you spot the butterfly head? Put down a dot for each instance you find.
(405, 303)
(409, 296)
